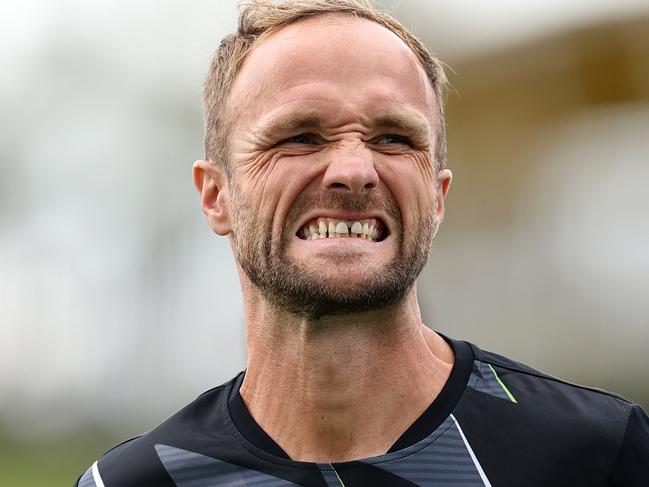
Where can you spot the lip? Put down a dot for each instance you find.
(359, 245)
(342, 215)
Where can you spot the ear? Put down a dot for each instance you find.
(212, 184)
(444, 178)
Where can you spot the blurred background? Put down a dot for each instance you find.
(118, 305)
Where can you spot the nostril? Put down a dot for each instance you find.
(343, 186)
(371, 185)
(338, 186)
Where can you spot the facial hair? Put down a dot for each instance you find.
(290, 286)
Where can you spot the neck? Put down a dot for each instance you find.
(344, 387)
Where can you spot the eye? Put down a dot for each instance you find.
(393, 139)
(299, 139)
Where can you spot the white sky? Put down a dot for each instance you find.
(461, 28)
(456, 28)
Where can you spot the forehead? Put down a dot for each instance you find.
(333, 65)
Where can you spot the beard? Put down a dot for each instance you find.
(292, 287)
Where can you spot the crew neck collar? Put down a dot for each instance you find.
(423, 426)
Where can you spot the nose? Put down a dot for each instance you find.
(351, 169)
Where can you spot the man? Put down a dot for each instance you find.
(326, 170)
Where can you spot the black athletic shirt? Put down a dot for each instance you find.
(495, 423)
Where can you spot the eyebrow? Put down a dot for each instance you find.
(291, 124)
(408, 124)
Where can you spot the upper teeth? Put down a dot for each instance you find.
(334, 228)
(341, 227)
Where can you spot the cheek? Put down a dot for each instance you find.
(425, 166)
(294, 176)
(411, 181)
(273, 181)
(254, 169)
(260, 177)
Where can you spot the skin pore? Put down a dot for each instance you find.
(335, 119)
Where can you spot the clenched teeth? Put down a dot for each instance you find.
(370, 229)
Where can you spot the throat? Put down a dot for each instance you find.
(340, 404)
(338, 429)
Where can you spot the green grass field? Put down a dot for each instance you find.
(52, 462)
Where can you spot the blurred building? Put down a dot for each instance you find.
(544, 254)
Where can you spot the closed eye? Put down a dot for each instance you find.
(300, 139)
(393, 139)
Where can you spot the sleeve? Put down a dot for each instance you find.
(89, 478)
(631, 467)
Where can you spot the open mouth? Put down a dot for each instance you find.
(371, 229)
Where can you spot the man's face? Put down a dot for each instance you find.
(335, 198)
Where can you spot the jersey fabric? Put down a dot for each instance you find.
(496, 422)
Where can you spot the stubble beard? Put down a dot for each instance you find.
(290, 286)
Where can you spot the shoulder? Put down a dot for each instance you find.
(551, 397)
(139, 460)
(544, 422)
(556, 394)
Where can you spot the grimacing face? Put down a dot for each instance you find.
(334, 195)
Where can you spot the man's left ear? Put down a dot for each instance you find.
(444, 178)
(212, 185)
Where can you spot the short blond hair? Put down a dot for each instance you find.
(259, 19)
